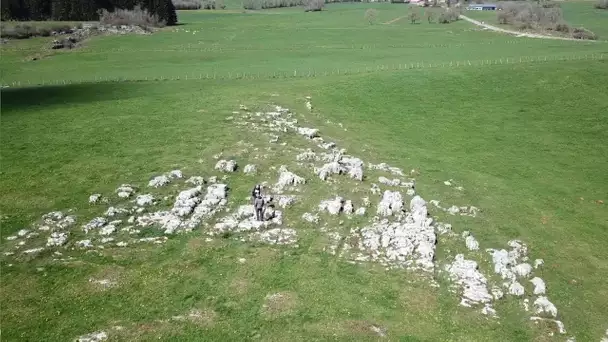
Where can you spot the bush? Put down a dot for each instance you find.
(262, 4)
(561, 27)
(430, 16)
(601, 4)
(187, 4)
(136, 16)
(583, 33)
(527, 15)
(450, 15)
(26, 30)
(313, 5)
(371, 15)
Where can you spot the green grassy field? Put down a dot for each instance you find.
(528, 141)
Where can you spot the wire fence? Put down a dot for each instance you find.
(212, 47)
(308, 73)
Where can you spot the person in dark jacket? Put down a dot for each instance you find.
(258, 205)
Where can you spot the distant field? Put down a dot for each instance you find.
(218, 44)
(522, 128)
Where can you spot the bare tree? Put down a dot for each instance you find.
(371, 15)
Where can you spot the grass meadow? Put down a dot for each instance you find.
(528, 141)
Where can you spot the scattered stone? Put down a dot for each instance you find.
(11, 238)
(94, 198)
(391, 203)
(250, 169)
(107, 239)
(538, 263)
(497, 293)
(196, 180)
(543, 305)
(186, 201)
(375, 189)
(308, 132)
(329, 169)
(348, 207)
(522, 270)
(444, 228)
(285, 200)
(312, 218)
(504, 261)
(107, 230)
(122, 244)
(334, 206)
(144, 200)
(385, 167)
(516, 289)
(409, 243)
(474, 285)
(33, 250)
(125, 190)
(539, 285)
(560, 326)
(287, 178)
(95, 223)
(488, 310)
(84, 243)
(57, 239)
(112, 211)
(176, 174)
(276, 236)
(453, 210)
(226, 165)
(307, 155)
(471, 243)
(360, 211)
(386, 181)
(159, 181)
(526, 304)
(93, 337)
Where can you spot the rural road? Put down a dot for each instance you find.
(519, 34)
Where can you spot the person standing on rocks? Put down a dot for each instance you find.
(258, 205)
(257, 191)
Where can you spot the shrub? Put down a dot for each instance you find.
(527, 15)
(262, 4)
(371, 15)
(136, 16)
(413, 16)
(562, 27)
(450, 15)
(23, 31)
(583, 33)
(601, 4)
(430, 16)
(187, 4)
(313, 5)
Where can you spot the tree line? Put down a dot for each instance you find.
(81, 10)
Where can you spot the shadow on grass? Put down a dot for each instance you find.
(18, 99)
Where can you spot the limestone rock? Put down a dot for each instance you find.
(539, 285)
(226, 165)
(543, 305)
